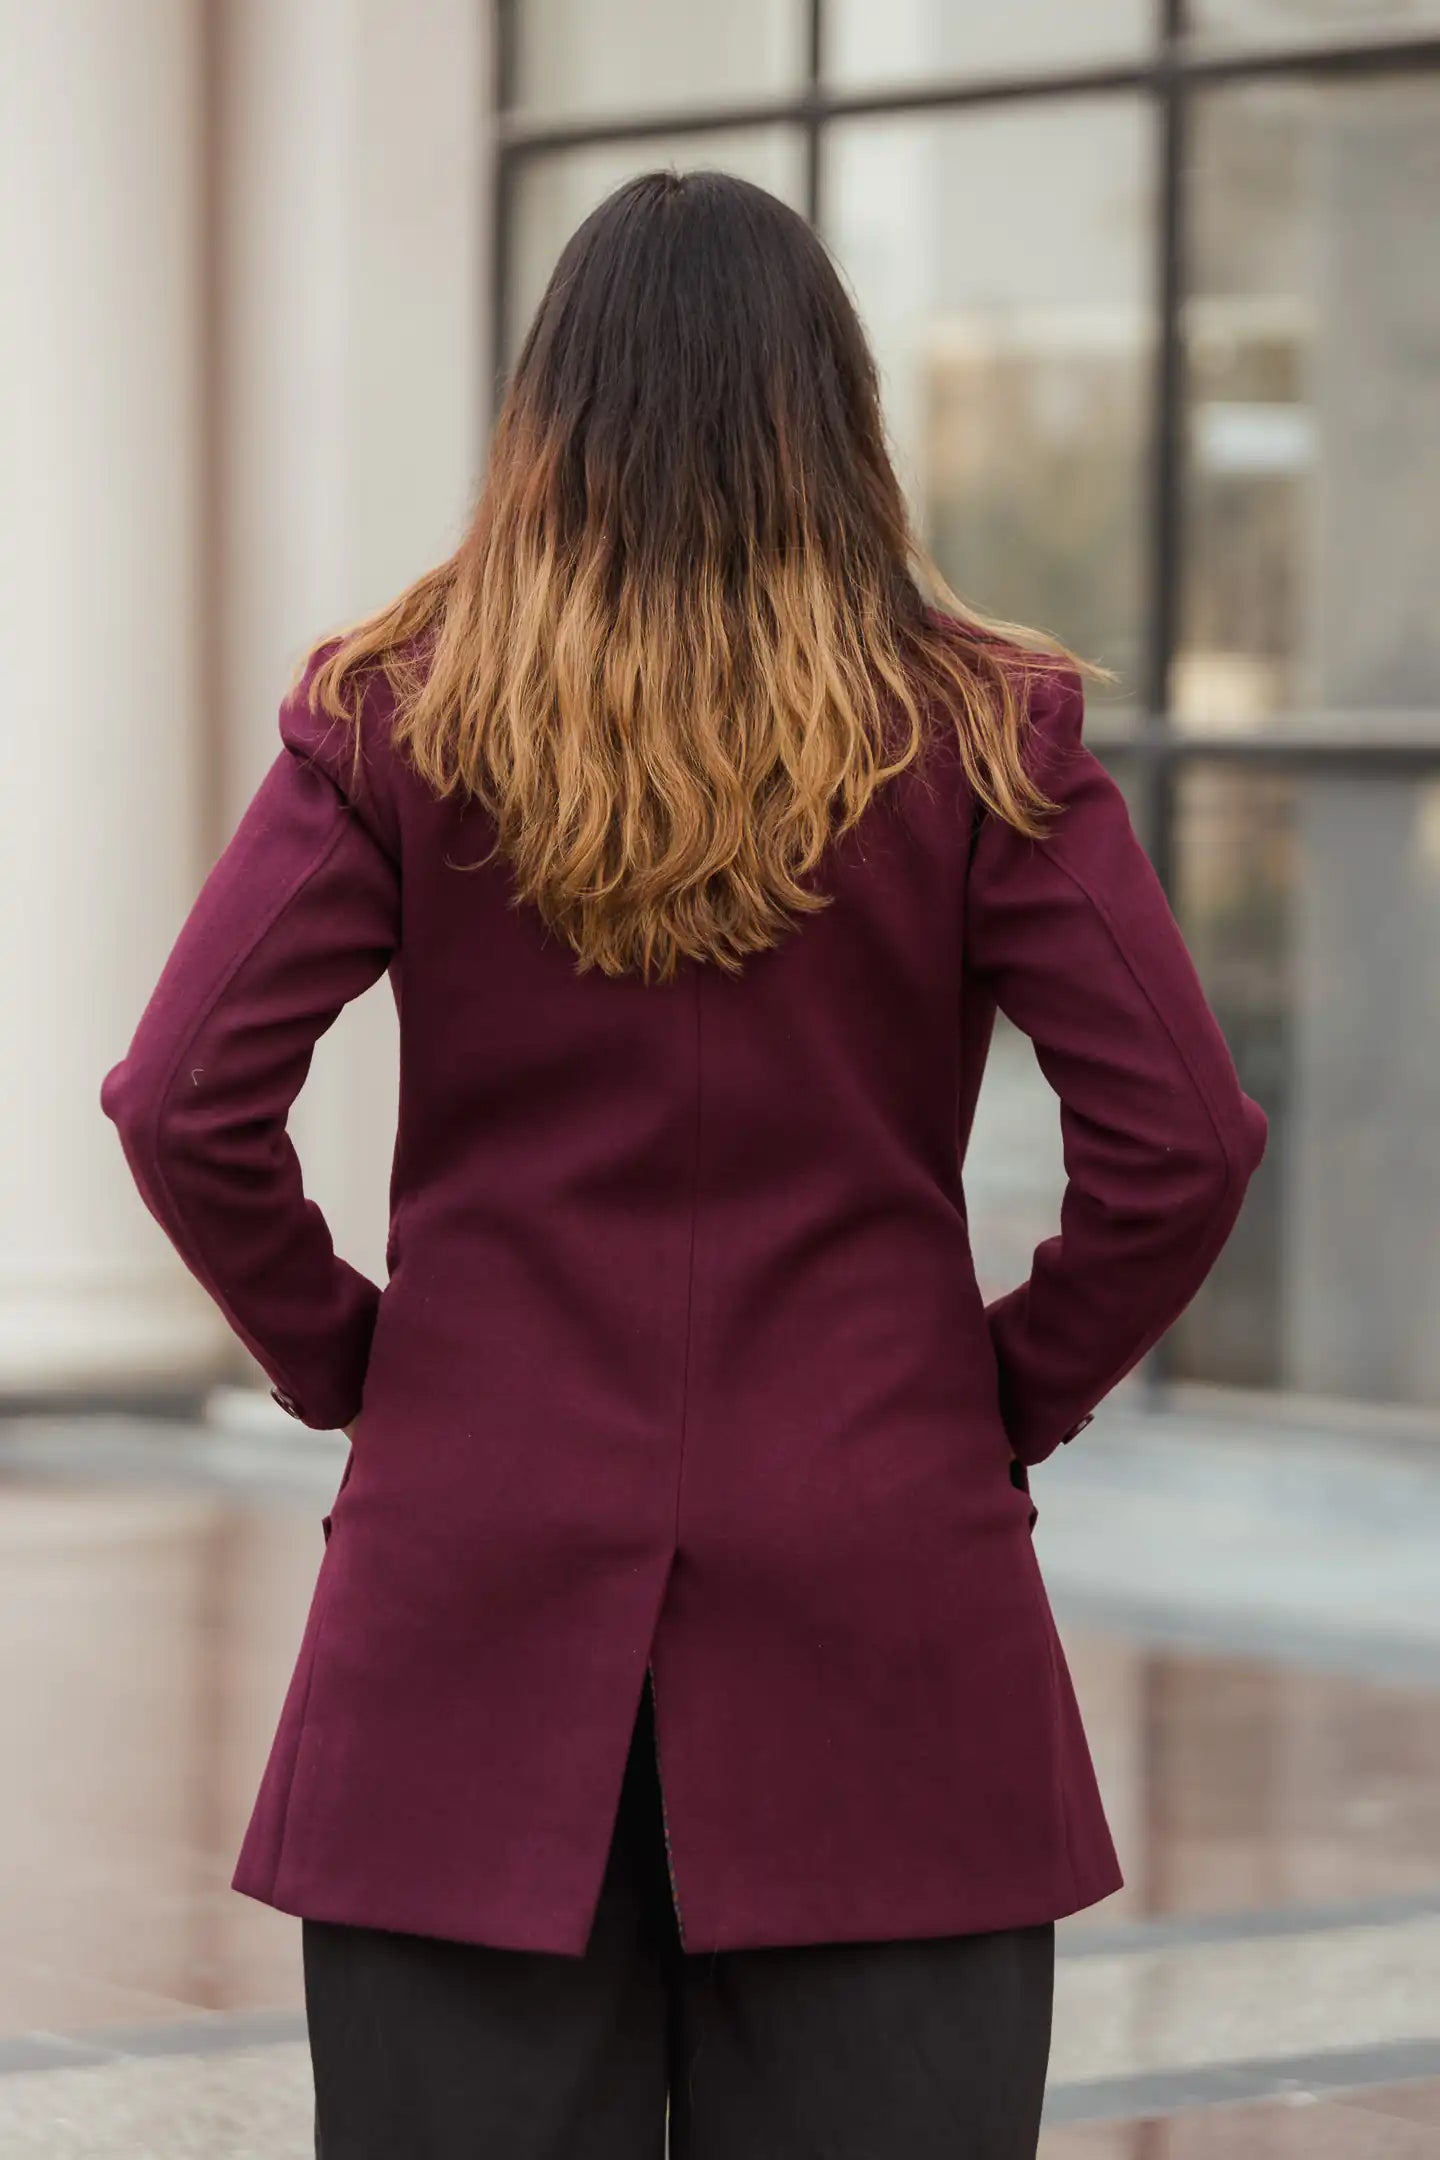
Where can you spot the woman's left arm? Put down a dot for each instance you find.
(298, 916)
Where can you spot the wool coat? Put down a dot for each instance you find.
(680, 1359)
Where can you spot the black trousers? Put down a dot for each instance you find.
(932, 2049)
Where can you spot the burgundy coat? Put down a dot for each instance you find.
(681, 1357)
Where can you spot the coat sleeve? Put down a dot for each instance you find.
(299, 915)
(1076, 941)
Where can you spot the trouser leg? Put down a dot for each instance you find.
(431, 2050)
(932, 2049)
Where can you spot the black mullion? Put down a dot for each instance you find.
(816, 102)
(1157, 793)
(1168, 751)
(502, 221)
(505, 39)
(814, 70)
(502, 97)
(1167, 441)
(1359, 57)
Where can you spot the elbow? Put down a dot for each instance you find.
(1253, 1134)
(182, 1132)
(128, 1097)
(133, 1096)
(1214, 1167)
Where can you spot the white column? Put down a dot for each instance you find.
(353, 408)
(103, 709)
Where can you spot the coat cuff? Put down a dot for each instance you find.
(1033, 1439)
(322, 1417)
(327, 1394)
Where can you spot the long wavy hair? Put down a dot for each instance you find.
(689, 632)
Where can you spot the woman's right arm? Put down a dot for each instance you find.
(1076, 941)
(300, 914)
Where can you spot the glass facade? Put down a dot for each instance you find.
(589, 56)
(1151, 285)
(1251, 25)
(919, 39)
(1312, 326)
(1015, 348)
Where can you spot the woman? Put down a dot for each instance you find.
(679, 1709)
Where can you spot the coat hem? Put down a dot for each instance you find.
(782, 1928)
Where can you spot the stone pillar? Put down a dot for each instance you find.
(106, 715)
(245, 378)
(352, 409)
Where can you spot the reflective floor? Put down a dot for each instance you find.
(1254, 1634)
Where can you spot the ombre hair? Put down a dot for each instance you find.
(689, 633)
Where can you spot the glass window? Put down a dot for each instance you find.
(1311, 901)
(592, 56)
(555, 190)
(1014, 348)
(908, 41)
(1312, 544)
(1280, 23)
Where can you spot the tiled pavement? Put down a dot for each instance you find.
(1256, 1641)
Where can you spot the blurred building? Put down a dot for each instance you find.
(1155, 292)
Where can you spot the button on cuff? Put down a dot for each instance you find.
(286, 1402)
(1079, 1427)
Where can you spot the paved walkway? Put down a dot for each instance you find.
(1252, 1622)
